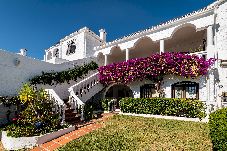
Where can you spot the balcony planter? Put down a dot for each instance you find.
(12, 143)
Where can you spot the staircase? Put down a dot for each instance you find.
(72, 116)
(85, 89)
(79, 93)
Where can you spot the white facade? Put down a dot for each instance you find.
(77, 45)
(205, 30)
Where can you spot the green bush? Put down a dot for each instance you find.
(105, 104)
(163, 106)
(64, 76)
(36, 116)
(218, 129)
(88, 111)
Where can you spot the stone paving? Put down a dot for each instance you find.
(82, 130)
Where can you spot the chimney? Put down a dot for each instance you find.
(102, 33)
(23, 51)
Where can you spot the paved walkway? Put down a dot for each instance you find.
(58, 142)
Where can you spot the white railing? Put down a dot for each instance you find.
(76, 104)
(86, 88)
(58, 103)
(224, 104)
(199, 53)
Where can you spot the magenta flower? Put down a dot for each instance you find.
(155, 67)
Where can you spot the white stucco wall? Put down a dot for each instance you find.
(85, 41)
(91, 41)
(221, 31)
(13, 76)
(170, 80)
(166, 86)
(135, 87)
(221, 49)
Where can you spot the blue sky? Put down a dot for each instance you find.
(38, 24)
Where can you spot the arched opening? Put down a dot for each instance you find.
(186, 39)
(49, 55)
(116, 55)
(56, 53)
(144, 47)
(118, 91)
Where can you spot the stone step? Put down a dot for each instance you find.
(69, 110)
(71, 114)
(66, 100)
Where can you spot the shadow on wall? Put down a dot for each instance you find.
(6, 113)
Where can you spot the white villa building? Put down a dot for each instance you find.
(202, 32)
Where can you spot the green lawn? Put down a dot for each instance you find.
(144, 134)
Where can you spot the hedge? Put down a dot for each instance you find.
(218, 129)
(52, 78)
(163, 106)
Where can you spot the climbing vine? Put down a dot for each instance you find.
(52, 78)
(155, 67)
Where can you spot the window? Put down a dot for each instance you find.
(147, 91)
(71, 48)
(49, 55)
(224, 96)
(185, 89)
(56, 53)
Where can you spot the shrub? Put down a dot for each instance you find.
(64, 76)
(88, 111)
(105, 104)
(218, 129)
(163, 106)
(36, 117)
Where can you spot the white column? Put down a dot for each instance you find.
(162, 46)
(210, 43)
(63, 114)
(210, 36)
(106, 60)
(127, 54)
(82, 112)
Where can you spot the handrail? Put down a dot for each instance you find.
(59, 102)
(75, 97)
(95, 74)
(56, 97)
(78, 102)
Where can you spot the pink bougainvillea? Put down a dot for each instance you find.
(155, 67)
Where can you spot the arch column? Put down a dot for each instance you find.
(106, 60)
(162, 46)
(127, 54)
(210, 36)
(210, 42)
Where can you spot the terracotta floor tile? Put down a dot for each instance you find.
(68, 135)
(59, 138)
(84, 128)
(38, 149)
(48, 144)
(53, 147)
(74, 137)
(63, 141)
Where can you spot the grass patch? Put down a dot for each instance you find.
(144, 134)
